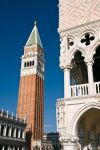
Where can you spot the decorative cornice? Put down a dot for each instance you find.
(77, 29)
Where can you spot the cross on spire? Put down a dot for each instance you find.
(35, 22)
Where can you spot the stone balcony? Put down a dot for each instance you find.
(81, 91)
(84, 90)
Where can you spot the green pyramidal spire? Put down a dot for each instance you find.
(34, 37)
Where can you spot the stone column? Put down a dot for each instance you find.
(69, 143)
(14, 132)
(67, 91)
(18, 148)
(3, 147)
(9, 148)
(19, 132)
(90, 76)
(23, 148)
(23, 134)
(10, 131)
(5, 130)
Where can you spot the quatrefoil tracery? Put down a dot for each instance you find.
(87, 38)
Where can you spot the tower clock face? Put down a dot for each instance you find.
(30, 52)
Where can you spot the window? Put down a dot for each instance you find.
(25, 64)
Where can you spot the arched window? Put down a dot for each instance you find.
(27, 64)
(33, 63)
(78, 70)
(96, 65)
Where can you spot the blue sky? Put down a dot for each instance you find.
(16, 22)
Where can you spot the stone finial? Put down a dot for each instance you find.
(7, 113)
(2, 112)
(12, 115)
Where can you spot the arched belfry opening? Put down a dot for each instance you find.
(96, 65)
(79, 70)
(88, 129)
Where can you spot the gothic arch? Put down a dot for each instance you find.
(87, 31)
(72, 52)
(71, 36)
(80, 112)
(93, 50)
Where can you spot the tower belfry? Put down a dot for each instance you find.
(78, 113)
(31, 88)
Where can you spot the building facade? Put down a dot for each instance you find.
(31, 88)
(78, 113)
(12, 132)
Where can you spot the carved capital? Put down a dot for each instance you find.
(74, 139)
(71, 139)
(89, 61)
(62, 62)
(64, 139)
(67, 67)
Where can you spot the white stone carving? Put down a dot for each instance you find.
(66, 55)
(76, 19)
(73, 13)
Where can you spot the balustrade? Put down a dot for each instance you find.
(83, 89)
(79, 90)
(97, 87)
(10, 147)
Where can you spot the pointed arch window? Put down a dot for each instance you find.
(25, 64)
(33, 63)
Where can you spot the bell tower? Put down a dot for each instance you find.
(31, 88)
(78, 113)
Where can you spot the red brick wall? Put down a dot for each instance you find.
(31, 103)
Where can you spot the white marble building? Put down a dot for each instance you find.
(78, 113)
(12, 132)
